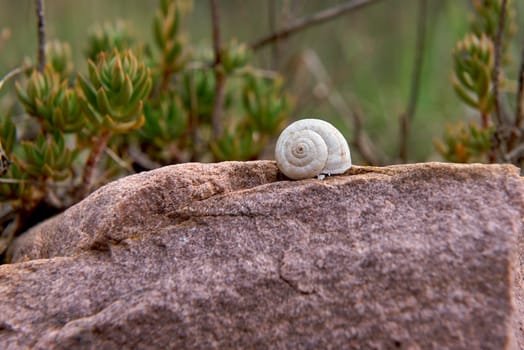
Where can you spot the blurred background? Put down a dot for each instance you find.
(361, 62)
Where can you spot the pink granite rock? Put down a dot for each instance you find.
(232, 255)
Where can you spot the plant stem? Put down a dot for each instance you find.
(193, 119)
(361, 140)
(305, 22)
(41, 34)
(519, 115)
(520, 95)
(220, 79)
(11, 74)
(407, 117)
(275, 48)
(164, 84)
(484, 120)
(496, 69)
(99, 146)
(219, 103)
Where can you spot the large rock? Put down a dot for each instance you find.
(230, 255)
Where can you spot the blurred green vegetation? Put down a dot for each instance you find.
(367, 53)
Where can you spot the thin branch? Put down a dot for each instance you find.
(361, 140)
(500, 134)
(272, 17)
(407, 117)
(17, 181)
(121, 163)
(142, 159)
(13, 73)
(41, 34)
(99, 145)
(520, 95)
(215, 20)
(259, 72)
(220, 79)
(8, 234)
(519, 114)
(496, 69)
(515, 154)
(193, 119)
(31, 182)
(317, 18)
(219, 103)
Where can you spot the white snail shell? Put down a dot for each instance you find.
(311, 147)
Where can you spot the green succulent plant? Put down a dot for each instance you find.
(474, 79)
(198, 93)
(114, 91)
(47, 157)
(486, 21)
(264, 103)
(474, 59)
(108, 37)
(41, 88)
(241, 143)
(134, 109)
(166, 32)
(165, 121)
(234, 56)
(50, 99)
(21, 194)
(60, 57)
(465, 143)
(8, 167)
(7, 134)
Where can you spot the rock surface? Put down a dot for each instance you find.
(232, 255)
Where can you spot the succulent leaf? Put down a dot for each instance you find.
(60, 57)
(266, 106)
(241, 144)
(165, 121)
(234, 56)
(47, 156)
(48, 98)
(114, 93)
(465, 143)
(473, 59)
(166, 35)
(108, 37)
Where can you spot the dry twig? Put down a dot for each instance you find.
(41, 34)
(13, 73)
(99, 146)
(519, 117)
(275, 48)
(361, 141)
(317, 18)
(407, 117)
(496, 69)
(516, 135)
(220, 79)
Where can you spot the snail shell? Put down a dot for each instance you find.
(311, 147)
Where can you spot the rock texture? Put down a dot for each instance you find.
(232, 255)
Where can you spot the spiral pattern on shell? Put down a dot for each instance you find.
(312, 147)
